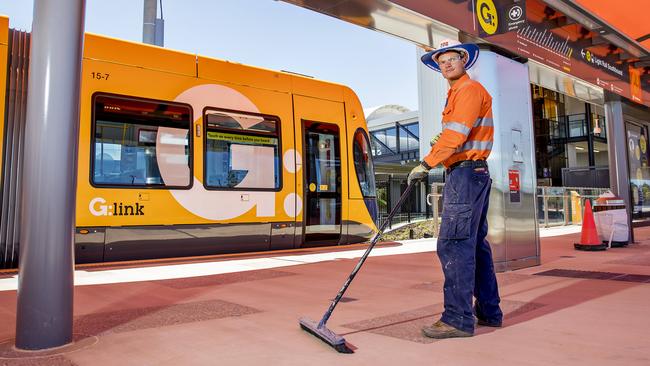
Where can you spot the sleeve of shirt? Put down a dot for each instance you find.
(466, 111)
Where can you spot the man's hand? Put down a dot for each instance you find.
(418, 173)
(434, 139)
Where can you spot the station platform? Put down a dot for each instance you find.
(576, 308)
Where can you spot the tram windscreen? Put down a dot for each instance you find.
(363, 164)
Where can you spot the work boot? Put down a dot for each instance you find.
(486, 323)
(440, 330)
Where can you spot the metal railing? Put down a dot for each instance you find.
(433, 200)
(555, 205)
(413, 209)
(574, 126)
(564, 205)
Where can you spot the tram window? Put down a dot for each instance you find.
(241, 121)
(242, 151)
(363, 164)
(140, 143)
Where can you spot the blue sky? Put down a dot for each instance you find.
(267, 33)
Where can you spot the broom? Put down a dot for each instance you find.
(319, 329)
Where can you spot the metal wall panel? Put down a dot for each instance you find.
(513, 234)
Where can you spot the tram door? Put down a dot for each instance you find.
(322, 164)
(321, 168)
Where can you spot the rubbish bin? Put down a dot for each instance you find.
(610, 216)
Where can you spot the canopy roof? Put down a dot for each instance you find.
(629, 17)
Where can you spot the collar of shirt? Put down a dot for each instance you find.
(462, 80)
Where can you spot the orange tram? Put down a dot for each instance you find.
(185, 155)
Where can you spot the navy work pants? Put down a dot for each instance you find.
(464, 252)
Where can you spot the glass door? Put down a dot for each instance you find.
(322, 183)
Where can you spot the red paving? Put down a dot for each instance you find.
(251, 317)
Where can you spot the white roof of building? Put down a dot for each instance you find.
(383, 111)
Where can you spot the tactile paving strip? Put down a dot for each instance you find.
(408, 325)
(223, 279)
(154, 317)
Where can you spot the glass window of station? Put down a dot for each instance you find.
(570, 140)
(395, 139)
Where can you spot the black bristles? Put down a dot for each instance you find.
(324, 334)
(343, 348)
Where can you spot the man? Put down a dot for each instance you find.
(463, 147)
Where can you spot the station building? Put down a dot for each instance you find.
(589, 89)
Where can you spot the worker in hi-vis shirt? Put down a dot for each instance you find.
(463, 147)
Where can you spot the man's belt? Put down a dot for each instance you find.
(468, 164)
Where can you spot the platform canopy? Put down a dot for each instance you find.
(603, 42)
(631, 19)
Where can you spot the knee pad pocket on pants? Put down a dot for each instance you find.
(456, 219)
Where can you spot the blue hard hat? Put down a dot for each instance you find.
(470, 49)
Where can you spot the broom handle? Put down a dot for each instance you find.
(338, 297)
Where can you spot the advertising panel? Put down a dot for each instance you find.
(638, 158)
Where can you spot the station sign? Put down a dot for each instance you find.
(500, 16)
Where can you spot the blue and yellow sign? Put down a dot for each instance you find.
(486, 12)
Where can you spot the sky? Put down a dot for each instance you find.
(380, 68)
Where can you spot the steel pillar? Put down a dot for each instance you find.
(160, 32)
(619, 175)
(45, 281)
(590, 135)
(149, 22)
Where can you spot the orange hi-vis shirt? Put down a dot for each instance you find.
(467, 127)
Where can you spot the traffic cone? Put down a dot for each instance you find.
(589, 239)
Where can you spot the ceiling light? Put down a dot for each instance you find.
(579, 148)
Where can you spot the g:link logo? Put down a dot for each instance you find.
(487, 16)
(98, 207)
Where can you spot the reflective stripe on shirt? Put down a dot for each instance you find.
(484, 122)
(475, 145)
(456, 126)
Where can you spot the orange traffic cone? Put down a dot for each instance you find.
(589, 239)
